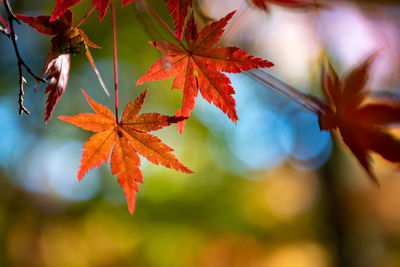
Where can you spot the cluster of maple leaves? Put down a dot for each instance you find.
(197, 64)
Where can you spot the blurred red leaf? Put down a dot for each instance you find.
(199, 66)
(363, 126)
(124, 140)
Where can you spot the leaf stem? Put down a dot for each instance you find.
(114, 22)
(307, 101)
(84, 17)
(241, 12)
(160, 20)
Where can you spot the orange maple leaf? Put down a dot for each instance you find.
(199, 66)
(126, 139)
(363, 126)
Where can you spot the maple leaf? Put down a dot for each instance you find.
(263, 4)
(67, 40)
(101, 6)
(124, 140)
(363, 126)
(178, 9)
(199, 66)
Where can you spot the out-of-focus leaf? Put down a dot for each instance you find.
(363, 126)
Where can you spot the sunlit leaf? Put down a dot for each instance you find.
(124, 140)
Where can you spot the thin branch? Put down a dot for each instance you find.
(5, 32)
(21, 63)
(114, 22)
(240, 14)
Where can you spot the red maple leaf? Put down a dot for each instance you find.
(124, 140)
(67, 40)
(101, 6)
(198, 67)
(178, 9)
(363, 126)
(263, 4)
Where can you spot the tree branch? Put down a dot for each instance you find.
(5, 32)
(21, 63)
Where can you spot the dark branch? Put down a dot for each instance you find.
(21, 63)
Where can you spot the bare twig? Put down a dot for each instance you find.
(5, 32)
(21, 63)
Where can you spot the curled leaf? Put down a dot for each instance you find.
(58, 74)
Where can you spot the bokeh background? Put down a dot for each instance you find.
(271, 191)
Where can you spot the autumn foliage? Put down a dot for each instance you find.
(197, 62)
